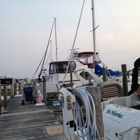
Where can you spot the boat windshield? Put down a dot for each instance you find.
(61, 67)
(86, 58)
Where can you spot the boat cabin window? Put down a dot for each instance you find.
(61, 67)
(86, 76)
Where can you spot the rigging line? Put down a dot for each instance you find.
(114, 32)
(47, 59)
(48, 43)
(44, 56)
(37, 67)
(74, 39)
(63, 38)
(120, 32)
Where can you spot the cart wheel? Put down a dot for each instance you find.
(22, 102)
(34, 101)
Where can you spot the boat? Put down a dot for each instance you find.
(78, 70)
(81, 68)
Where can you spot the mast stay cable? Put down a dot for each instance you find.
(120, 31)
(74, 39)
(44, 56)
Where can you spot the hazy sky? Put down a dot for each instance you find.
(25, 27)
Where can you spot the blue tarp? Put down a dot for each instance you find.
(98, 71)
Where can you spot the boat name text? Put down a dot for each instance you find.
(114, 113)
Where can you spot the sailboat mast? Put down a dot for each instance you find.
(56, 40)
(93, 25)
(57, 77)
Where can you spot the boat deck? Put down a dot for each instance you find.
(27, 122)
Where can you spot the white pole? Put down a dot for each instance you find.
(56, 40)
(56, 45)
(93, 24)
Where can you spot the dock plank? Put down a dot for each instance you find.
(26, 122)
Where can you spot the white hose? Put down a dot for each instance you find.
(83, 127)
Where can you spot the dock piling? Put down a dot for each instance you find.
(5, 96)
(44, 90)
(15, 88)
(104, 74)
(125, 85)
(12, 90)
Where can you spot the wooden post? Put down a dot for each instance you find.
(0, 102)
(5, 96)
(12, 90)
(104, 73)
(95, 93)
(125, 83)
(15, 88)
(35, 86)
(44, 89)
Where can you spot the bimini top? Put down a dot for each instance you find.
(86, 58)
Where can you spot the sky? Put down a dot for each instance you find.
(25, 27)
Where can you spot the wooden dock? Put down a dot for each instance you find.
(27, 122)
